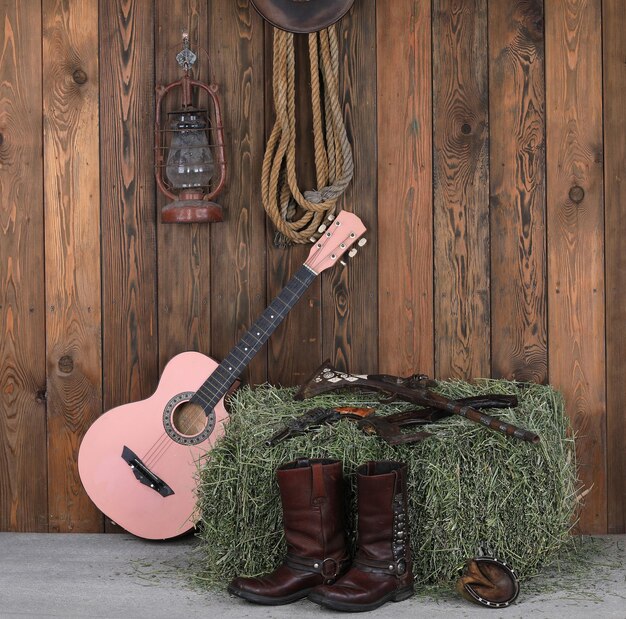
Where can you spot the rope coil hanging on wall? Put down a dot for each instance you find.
(297, 215)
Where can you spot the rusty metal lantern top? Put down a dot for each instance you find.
(190, 164)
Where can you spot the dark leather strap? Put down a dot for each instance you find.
(397, 568)
(329, 568)
(319, 490)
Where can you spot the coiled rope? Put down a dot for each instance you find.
(334, 165)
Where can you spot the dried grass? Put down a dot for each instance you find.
(467, 485)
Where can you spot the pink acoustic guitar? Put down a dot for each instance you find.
(139, 462)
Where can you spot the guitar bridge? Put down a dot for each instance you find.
(144, 475)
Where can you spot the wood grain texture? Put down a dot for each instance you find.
(614, 73)
(238, 292)
(72, 251)
(461, 189)
(517, 176)
(129, 272)
(128, 210)
(23, 504)
(184, 249)
(575, 236)
(350, 296)
(405, 202)
(295, 348)
(513, 222)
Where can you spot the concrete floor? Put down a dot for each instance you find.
(120, 576)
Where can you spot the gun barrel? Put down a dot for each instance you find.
(326, 379)
(281, 435)
(298, 425)
(479, 417)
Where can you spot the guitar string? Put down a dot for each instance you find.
(165, 441)
(162, 444)
(219, 381)
(158, 448)
(214, 397)
(236, 367)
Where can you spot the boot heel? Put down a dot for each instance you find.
(403, 594)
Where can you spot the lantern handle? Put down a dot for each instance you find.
(186, 58)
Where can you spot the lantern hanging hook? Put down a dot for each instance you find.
(186, 58)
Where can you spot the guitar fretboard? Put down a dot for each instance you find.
(216, 386)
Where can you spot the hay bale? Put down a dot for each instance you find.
(467, 484)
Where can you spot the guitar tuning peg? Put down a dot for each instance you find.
(313, 239)
(362, 242)
(347, 257)
(322, 228)
(330, 217)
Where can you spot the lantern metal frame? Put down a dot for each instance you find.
(190, 205)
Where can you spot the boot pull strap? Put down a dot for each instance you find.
(397, 486)
(396, 483)
(318, 487)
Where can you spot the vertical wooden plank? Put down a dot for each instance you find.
(575, 236)
(517, 175)
(296, 346)
(128, 214)
(72, 251)
(461, 189)
(130, 347)
(238, 244)
(614, 73)
(23, 506)
(350, 296)
(184, 249)
(405, 203)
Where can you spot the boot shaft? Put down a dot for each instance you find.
(381, 571)
(311, 493)
(383, 528)
(312, 497)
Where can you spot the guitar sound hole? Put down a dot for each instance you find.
(189, 419)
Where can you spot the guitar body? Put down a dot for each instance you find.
(132, 436)
(139, 463)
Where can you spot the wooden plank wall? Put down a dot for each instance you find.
(72, 260)
(614, 90)
(489, 154)
(22, 304)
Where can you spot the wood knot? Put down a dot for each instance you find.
(1, 139)
(79, 76)
(576, 194)
(41, 396)
(66, 364)
(466, 129)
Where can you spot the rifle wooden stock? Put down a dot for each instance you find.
(327, 379)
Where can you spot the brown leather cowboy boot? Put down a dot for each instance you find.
(381, 571)
(311, 493)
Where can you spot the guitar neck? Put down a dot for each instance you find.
(236, 361)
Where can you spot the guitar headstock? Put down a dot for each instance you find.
(336, 239)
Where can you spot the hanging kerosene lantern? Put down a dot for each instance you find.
(190, 165)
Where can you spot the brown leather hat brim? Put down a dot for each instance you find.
(301, 16)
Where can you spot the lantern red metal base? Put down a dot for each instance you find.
(191, 212)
